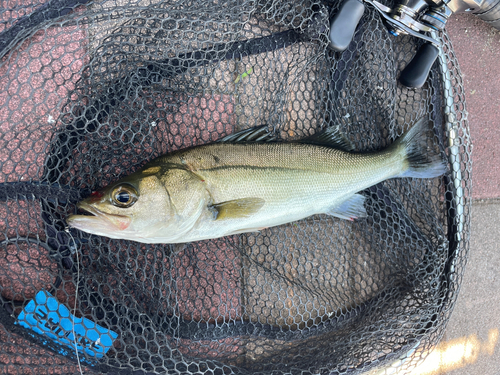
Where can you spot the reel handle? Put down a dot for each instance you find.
(343, 24)
(416, 72)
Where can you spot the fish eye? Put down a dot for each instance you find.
(124, 196)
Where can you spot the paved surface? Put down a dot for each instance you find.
(471, 344)
(477, 47)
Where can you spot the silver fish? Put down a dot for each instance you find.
(247, 182)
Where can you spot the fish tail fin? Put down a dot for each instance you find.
(421, 160)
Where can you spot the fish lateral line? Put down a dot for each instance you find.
(255, 167)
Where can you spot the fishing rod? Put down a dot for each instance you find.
(419, 18)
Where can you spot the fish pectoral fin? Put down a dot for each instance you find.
(350, 209)
(238, 208)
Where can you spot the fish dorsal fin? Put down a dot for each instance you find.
(257, 134)
(330, 137)
(237, 209)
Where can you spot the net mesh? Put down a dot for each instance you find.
(91, 91)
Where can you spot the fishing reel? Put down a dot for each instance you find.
(419, 18)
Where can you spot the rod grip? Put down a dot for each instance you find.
(416, 72)
(344, 24)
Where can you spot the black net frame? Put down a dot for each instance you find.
(90, 91)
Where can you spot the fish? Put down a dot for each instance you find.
(249, 181)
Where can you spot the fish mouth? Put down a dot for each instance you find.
(96, 221)
(89, 209)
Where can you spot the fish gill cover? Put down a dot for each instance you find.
(90, 91)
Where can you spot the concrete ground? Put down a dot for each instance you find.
(471, 344)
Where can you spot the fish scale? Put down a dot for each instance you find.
(233, 187)
(295, 180)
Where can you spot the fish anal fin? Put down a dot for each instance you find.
(350, 209)
(238, 208)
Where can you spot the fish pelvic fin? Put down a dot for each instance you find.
(238, 208)
(352, 208)
(421, 160)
